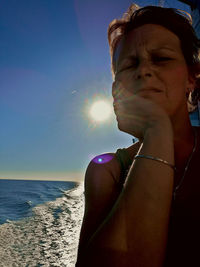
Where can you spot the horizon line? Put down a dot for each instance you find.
(44, 176)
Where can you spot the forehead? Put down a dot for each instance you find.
(148, 36)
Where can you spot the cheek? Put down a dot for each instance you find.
(177, 79)
(180, 72)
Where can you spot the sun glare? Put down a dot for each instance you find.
(100, 111)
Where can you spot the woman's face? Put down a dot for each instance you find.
(150, 63)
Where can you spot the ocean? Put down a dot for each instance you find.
(40, 222)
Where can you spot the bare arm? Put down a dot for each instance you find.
(101, 192)
(136, 230)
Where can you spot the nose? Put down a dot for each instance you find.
(144, 71)
(144, 75)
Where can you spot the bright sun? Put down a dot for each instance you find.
(100, 111)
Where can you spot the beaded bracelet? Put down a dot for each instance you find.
(156, 159)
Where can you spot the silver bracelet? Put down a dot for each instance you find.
(156, 159)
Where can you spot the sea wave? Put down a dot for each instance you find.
(47, 238)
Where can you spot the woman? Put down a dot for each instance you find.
(142, 205)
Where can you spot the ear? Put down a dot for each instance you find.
(191, 83)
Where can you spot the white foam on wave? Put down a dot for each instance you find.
(45, 239)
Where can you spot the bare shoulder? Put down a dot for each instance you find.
(103, 164)
(108, 164)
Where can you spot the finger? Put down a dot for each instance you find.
(117, 89)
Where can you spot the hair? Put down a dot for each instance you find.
(177, 21)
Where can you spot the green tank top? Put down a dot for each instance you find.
(125, 162)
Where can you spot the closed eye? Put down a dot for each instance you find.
(134, 63)
(161, 59)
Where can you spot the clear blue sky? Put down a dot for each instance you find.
(54, 63)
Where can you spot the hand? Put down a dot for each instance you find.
(136, 114)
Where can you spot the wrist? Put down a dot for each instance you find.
(158, 142)
(159, 129)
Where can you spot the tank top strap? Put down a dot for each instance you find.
(125, 163)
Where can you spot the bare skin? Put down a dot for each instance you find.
(130, 228)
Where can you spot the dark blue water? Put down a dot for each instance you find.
(18, 197)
